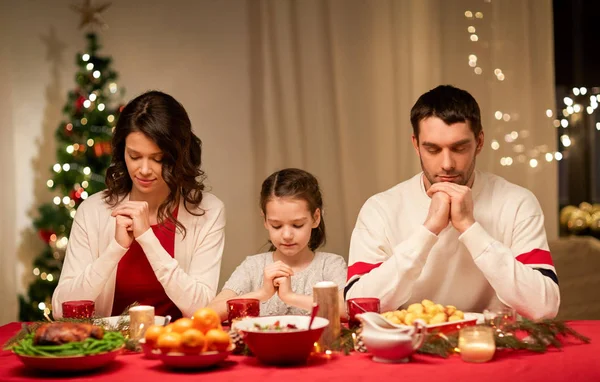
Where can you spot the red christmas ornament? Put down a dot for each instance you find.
(45, 235)
(75, 195)
(98, 149)
(79, 103)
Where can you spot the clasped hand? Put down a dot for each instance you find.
(276, 279)
(133, 219)
(450, 203)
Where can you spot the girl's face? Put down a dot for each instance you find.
(143, 159)
(290, 223)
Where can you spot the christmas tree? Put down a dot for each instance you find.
(83, 154)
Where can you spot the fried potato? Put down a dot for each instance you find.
(428, 311)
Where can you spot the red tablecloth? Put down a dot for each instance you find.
(576, 362)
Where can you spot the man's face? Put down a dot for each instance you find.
(447, 152)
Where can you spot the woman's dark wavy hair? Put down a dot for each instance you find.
(163, 120)
(297, 184)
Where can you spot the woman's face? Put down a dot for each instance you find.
(144, 164)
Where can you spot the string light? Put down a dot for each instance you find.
(558, 156)
(498, 115)
(56, 200)
(549, 157)
(50, 183)
(87, 103)
(506, 117)
(549, 113)
(66, 167)
(110, 118)
(42, 306)
(474, 38)
(66, 200)
(96, 74)
(564, 123)
(89, 66)
(565, 140)
(533, 163)
(93, 97)
(583, 90)
(101, 107)
(90, 142)
(84, 121)
(70, 149)
(50, 277)
(112, 87)
(36, 271)
(56, 168)
(469, 14)
(479, 15)
(84, 195)
(84, 184)
(73, 214)
(577, 108)
(85, 57)
(478, 70)
(495, 145)
(87, 171)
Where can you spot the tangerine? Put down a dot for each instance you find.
(217, 340)
(206, 319)
(169, 342)
(192, 341)
(152, 334)
(183, 324)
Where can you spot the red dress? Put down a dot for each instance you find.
(136, 280)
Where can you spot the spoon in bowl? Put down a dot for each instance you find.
(313, 313)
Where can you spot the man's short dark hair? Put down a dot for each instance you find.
(448, 103)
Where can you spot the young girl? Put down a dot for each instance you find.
(283, 278)
(153, 236)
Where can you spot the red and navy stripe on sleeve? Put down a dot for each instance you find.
(355, 271)
(541, 261)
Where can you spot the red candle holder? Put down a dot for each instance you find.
(238, 308)
(360, 305)
(78, 309)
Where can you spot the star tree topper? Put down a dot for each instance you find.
(90, 14)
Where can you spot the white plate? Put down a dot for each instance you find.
(114, 320)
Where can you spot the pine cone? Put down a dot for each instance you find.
(359, 345)
(238, 341)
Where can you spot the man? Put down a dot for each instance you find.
(452, 234)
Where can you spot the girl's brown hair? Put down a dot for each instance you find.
(297, 184)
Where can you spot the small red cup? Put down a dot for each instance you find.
(78, 309)
(238, 308)
(360, 305)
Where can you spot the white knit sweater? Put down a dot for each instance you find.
(189, 278)
(503, 259)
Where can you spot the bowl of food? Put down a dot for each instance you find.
(281, 340)
(438, 318)
(68, 347)
(189, 343)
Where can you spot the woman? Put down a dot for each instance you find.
(153, 236)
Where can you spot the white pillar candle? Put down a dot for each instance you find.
(140, 318)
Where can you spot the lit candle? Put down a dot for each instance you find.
(140, 318)
(476, 344)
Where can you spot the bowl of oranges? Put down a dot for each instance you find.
(195, 342)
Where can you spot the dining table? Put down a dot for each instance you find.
(574, 361)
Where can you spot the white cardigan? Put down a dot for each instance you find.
(190, 278)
